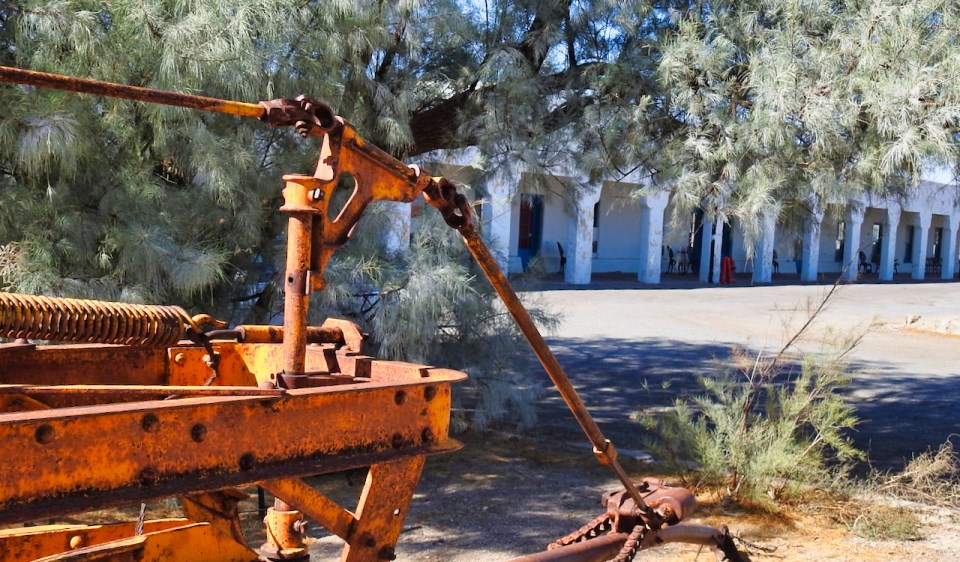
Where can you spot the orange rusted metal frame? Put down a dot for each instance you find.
(75, 458)
(194, 542)
(30, 543)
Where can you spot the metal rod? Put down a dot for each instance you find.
(136, 390)
(96, 87)
(601, 445)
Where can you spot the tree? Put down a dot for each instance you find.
(732, 104)
(786, 101)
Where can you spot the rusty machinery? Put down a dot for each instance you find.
(148, 404)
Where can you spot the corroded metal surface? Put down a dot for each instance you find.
(79, 320)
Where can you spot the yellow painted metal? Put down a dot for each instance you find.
(68, 459)
(219, 508)
(313, 504)
(383, 507)
(30, 543)
(198, 542)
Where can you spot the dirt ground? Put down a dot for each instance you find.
(627, 348)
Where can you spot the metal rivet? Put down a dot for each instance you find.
(399, 397)
(76, 541)
(44, 434)
(150, 423)
(397, 441)
(148, 477)
(427, 435)
(429, 393)
(247, 461)
(198, 432)
(179, 358)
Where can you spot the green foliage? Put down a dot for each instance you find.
(797, 438)
(735, 105)
(787, 100)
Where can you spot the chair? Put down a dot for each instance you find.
(864, 266)
(563, 259)
(672, 260)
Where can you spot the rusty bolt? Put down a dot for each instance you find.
(148, 477)
(316, 195)
(399, 397)
(387, 553)
(429, 393)
(368, 540)
(150, 423)
(397, 441)
(247, 461)
(300, 526)
(44, 434)
(180, 358)
(198, 432)
(427, 435)
(76, 541)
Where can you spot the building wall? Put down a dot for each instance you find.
(618, 243)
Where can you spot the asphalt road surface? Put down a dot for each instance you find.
(627, 347)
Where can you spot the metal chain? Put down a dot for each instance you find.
(632, 545)
(591, 530)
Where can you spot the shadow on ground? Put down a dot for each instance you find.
(902, 413)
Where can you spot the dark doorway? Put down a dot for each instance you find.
(531, 227)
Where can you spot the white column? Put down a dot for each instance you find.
(949, 253)
(922, 223)
(500, 188)
(706, 237)
(888, 246)
(763, 260)
(717, 244)
(810, 260)
(396, 237)
(652, 208)
(580, 237)
(851, 241)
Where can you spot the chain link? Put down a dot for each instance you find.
(591, 530)
(632, 545)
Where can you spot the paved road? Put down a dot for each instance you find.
(616, 336)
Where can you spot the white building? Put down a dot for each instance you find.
(606, 228)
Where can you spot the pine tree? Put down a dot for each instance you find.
(736, 106)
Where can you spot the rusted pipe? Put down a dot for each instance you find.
(600, 549)
(296, 284)
(136, 93)
(602, 446)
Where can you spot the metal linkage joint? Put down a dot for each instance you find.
(442, 194)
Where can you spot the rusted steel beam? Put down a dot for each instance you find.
(600, 549)
(29, 543)
(149, 95)
(69, 459)
(313, 504)
(383, 507)
(198, 542)
(140, 391)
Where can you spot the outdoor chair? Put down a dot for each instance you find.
(864, 266)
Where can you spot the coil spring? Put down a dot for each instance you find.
(89, 321)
